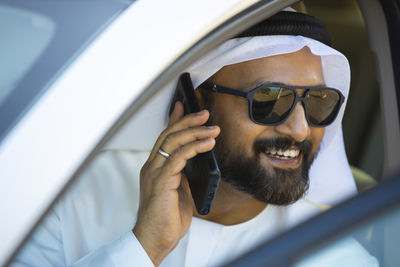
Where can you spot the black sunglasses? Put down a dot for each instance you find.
(271, 104)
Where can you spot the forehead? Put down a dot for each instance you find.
(297, 68)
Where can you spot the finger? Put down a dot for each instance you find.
(178, 139)
(191, 120)
(177, 161)
(186, 200)
(185, 186)
(177, 113)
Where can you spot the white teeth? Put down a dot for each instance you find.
(283, 154)
(294, 153)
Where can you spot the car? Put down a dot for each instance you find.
(76, 75)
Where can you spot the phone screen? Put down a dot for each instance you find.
(201, 171)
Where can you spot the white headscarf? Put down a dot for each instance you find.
(330, 176)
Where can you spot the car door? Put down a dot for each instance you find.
(363, 231)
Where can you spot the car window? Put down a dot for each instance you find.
(39, 39)
(18, 28)
(362, 231)
(372, 244)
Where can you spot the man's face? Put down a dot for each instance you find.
(249, 154)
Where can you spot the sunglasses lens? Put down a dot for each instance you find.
(271, 104)
(322, 106)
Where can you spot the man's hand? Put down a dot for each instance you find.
(166, 205)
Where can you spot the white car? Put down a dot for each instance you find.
(74, 76)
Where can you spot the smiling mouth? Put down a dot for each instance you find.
(283, 154)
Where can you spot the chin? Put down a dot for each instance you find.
(268, 175)
(272, 185)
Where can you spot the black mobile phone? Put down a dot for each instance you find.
(201, 171)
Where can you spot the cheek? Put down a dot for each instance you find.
(316, 136)
(231, 114)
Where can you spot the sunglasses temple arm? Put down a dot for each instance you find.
(223, 90)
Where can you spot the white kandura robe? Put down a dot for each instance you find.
(91, 225)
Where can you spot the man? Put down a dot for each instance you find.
(264, 156)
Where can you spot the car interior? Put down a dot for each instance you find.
(365, 126)
(362, 123)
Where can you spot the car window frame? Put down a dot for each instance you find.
(286, 249)
(60, 52)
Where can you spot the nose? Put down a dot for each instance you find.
(296, 126)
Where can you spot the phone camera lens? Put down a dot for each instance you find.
(205, 211)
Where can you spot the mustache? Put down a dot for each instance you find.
(283, 144)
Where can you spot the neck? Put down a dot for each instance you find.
(231, 206)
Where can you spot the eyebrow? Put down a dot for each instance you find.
(252, 85)
(255, 84)
(258, 83)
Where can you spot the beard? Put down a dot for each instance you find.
(275, 186)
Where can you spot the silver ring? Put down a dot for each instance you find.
(163, 153)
